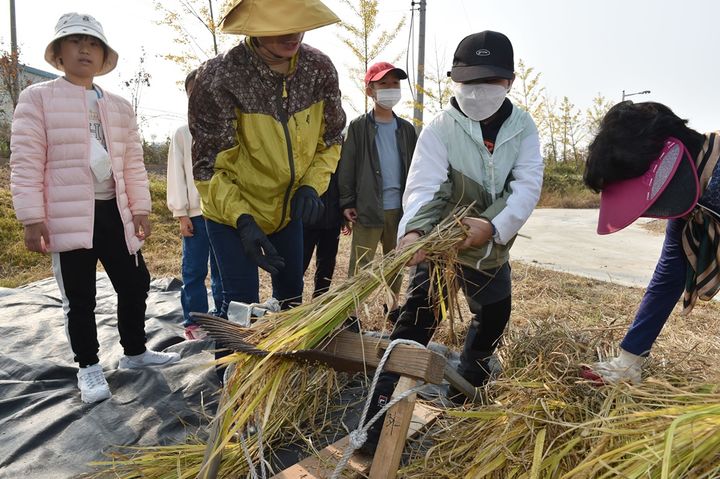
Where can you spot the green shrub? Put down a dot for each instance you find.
(563, 187)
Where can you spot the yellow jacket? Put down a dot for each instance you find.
(258, 135)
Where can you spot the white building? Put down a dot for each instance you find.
(28, 76)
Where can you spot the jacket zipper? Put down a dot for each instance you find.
(103, 118)
(284, 122)
(493, 189)
(89, 147)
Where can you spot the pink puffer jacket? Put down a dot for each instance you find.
(50, 176)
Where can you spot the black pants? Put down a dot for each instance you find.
(325, 243)
(488, 296)
(75, 274)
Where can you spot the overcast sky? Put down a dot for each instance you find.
(581, 47)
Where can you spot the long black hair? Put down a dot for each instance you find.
(631, 136)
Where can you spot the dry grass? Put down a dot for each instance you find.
(559, 321)
(582, 198)
(255, 390)
(656, 227)
(541, 417)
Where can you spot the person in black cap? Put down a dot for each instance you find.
(480, 150)
(646, 161)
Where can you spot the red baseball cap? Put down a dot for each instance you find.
(378, 70)
(668, 189)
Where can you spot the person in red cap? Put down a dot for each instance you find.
(373, 167)
(645, 161)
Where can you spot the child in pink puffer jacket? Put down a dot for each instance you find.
(80, 189)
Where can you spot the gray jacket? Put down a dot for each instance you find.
(359, 176)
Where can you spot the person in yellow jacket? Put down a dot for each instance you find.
(266, 120)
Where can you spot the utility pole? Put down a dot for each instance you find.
(625, 95)
(13, 29)
(419, 100)
(14, 54)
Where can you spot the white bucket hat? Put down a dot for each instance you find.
(80, 24)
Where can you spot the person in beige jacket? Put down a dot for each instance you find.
(183, 200)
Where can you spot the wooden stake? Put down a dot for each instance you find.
(395, 428)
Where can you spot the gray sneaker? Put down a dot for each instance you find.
(148, 359)
(92, 384)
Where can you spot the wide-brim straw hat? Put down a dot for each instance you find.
(265, 18)
(80, 24)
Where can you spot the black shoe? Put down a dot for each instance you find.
(371, 443)
(391, 315)
(352, 324)
(457, 397)
(382, 395)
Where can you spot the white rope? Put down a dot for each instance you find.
(261, 452)
(251, 466)
(252, 472)
(359, 435)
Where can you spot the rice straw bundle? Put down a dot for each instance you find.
(269, 394)
(545, 423)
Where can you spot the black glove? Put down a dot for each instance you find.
(257, 246)
(306, 205)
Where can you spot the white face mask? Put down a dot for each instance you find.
(480, 101)
(388, 97)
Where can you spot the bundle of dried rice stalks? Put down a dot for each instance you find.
(268, 394)
(541, 421)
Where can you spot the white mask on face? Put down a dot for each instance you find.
(388, 97)
(480, 101)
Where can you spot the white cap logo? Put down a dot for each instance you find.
(482, 52)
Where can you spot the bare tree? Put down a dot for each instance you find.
(551, 128)
(572, 131)
(439, 90)
(365, 39)
(595, 114)
(141, 78)
(195, 33)
(528, 93)
(10, 76)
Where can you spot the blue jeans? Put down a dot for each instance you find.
(663, 292)
(195, 255)
(239, 274)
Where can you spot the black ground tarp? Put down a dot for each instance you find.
(46, 430)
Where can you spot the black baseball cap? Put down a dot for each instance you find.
(481, 55)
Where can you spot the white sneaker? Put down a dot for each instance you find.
(626, 367)
(148, 359)
(92, 384)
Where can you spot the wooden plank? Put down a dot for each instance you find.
(321, 466)
(404, 360)
(395, 429)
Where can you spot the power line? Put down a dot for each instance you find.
(410, 51)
